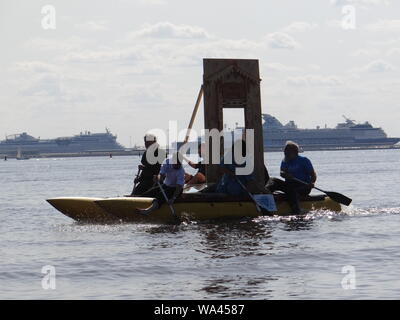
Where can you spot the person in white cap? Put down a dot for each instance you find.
(148, 169)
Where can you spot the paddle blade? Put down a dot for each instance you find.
(338, 197)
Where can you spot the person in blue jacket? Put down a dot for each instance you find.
(294, 166)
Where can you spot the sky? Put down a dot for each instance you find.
(133, 65)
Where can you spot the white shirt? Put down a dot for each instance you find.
(173, 177)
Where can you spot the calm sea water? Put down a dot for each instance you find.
(265, 258)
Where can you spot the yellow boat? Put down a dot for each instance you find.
(228, 83)
(82, 209)
(188, 207)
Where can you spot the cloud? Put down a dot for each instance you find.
(152, 2)
(35, 67)
(359, 2)
(394, 52)
(167, 30)
(44, 85)
(314, 80)
(365, 52)
(384, 25)
(299, 26)
(142, 94)
(100, 25)
(334, 23)
(145, 2)
(378, 66)
(129, 55)
(281, 40)
(143, 54)
(47, 83)
(278, 67)
(57, 45)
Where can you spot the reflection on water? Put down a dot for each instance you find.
(238, 288)
(225, 240)
(298, 224)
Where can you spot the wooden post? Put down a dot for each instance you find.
(233, 83)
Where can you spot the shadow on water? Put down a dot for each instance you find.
(241, 248)
(239, 287)
(299, 224)
(228, 239)
(237, 244)
(166, 229)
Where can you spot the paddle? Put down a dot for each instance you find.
(136, 178)
(248, 192)
(166, 199)
(193, 117)
(135, 183)
(335, 196)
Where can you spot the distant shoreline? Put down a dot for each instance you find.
(140, 152)
(395, 147)
(80, 154)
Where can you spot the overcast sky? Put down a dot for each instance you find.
(132, 65)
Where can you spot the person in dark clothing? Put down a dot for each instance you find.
(228, 182)
(294, 166)
(172, 178)
(148, 169)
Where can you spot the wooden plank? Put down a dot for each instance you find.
(194, 113)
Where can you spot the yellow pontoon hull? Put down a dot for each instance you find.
(123, 209)
(82, 209)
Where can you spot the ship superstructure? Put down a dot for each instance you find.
(83, 142)
(345, 135)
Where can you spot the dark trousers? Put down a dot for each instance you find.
(142, 187)
(155, 192)
(292, 189)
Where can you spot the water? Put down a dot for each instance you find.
(264, 258)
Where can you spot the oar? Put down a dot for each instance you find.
(192, 118)
(245, 189)
(196, 108)
(137, 176)
(167, 200)
(249, 193)
(335, 196)
(259, 209)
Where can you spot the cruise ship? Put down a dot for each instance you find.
(346, 135)
(85, 142)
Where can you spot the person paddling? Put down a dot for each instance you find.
(294, 166)
(172, 178)
(148, 169)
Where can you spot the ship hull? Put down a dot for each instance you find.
(84, 143)
(371, 144)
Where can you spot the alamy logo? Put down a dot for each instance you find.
(237, 146)
(349, 17)
(349, 280)
(49, 280)
(49, 18)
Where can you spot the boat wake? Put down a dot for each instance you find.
(79, 227)
(119, 227)
(353, 211)
(332, 215)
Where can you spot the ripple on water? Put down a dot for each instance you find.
(265, 257)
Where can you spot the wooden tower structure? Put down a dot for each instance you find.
(233, 83)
